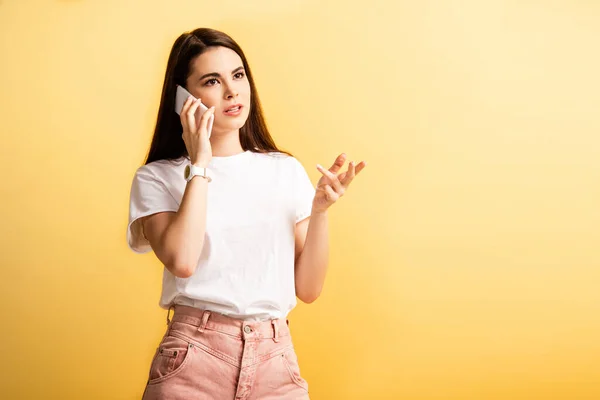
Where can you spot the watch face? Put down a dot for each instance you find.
(186, 173)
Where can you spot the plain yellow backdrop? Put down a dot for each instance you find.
(465, 259)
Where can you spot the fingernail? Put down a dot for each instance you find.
(319, 166)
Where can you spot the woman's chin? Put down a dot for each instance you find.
(221, 130)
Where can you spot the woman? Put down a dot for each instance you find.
(237, 224)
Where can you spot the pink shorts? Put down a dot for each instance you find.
(205, 355)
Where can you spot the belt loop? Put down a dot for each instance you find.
(275, 323)
(169, 312)
(202, 326)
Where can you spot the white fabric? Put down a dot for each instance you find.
(246, 268)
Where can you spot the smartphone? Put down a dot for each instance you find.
(180, 98)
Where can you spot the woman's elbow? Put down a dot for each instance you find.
(308, 297)
(183, 265)
(181, 270)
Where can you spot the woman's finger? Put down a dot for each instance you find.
(338, 163)
(357, 168)
(190, 115)
(183, 113)
(325, 172)
(360, 166)
(204, 119)
(186, 105)
(333, 179)
(349, 175)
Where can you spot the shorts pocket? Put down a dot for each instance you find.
(172, 356)
(291, 363)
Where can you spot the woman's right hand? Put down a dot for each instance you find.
(195, 135)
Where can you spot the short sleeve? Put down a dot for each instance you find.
(304, 191)
(148, 196)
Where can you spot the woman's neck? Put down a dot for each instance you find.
(226, 144)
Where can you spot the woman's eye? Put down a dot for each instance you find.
(211, 82)
(239, 75)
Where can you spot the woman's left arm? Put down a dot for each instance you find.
(312, 234)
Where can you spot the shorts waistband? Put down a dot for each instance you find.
(208, 320)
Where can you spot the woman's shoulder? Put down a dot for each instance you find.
(277, 155)
(272, 154)
(162, 168)
(279, 158)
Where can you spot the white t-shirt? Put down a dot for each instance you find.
(246, 268)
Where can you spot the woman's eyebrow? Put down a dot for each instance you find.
(217, 75)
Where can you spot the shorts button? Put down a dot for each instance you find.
(247, 329)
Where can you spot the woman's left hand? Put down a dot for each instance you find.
(332, 186)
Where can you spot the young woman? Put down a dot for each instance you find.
(237, 224)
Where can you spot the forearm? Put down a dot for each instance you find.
(311, 265)
(185, 235)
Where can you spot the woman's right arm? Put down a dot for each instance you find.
(177, 238)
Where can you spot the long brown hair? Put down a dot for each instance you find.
(167, 143)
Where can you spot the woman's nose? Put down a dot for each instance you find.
(232, 94)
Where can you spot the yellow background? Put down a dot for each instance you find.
(465, 258)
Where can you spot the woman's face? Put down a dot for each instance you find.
(218, 78)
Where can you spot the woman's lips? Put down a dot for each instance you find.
(234, 111)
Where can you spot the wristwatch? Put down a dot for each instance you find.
(191, 170)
